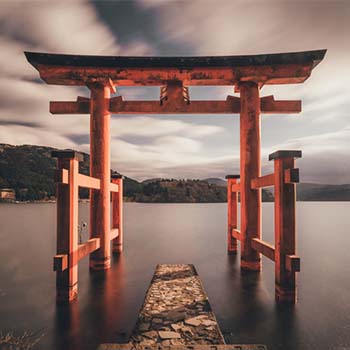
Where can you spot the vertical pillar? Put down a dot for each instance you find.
(117, 213)
(250, 168)
(232, 207)
(100, 168)
(67, 224)
(285, 238)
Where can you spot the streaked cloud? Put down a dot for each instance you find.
(178, 146)
(204, 27)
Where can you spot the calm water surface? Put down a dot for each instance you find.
(109, 302)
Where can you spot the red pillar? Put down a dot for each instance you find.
(100, 168)
(117, 213)
(67, 225)
(250, 168)
(285, 237)
(232, 207)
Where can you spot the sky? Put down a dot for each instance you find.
(182, 146)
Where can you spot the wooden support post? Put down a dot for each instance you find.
(250, 169)
(232, 206)
(285, 238)
(67, 225)
(100, 168)
(117, 213)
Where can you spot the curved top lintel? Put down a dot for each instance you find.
(184, 62)
(277, 68)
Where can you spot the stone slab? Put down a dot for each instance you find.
(176, 314)
(184, 347)
(177, 308)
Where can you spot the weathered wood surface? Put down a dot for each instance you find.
(232, 205)
(285, 229)
(176, 314)
(100, 168)
(250, 167)
(263, 181)
(67, 228)
(231, 105)
(264, 248)
(313, 56)
(117, 213)
(284, 68)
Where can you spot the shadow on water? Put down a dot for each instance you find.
(88, 321)
(248, 298)
(286, 328)
(67, 323)
(107, 295)
(256, 313)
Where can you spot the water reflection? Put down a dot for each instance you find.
(249, 301)
(107, 294)
(109, 302)
(286, 328)
(67, 322)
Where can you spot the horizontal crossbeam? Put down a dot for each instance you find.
(89, 182)
(232, 105)
(88, 247)
(264, 248)
(236, 234)
(60, 261)
(70, 107)
(268, 104)
(263, 181)
(62, 176)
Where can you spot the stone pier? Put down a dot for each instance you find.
(176, 314)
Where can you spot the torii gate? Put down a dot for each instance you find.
(247, 74)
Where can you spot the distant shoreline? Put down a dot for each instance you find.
(30, 173)
(131, 201)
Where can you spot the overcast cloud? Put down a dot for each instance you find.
(182, 146)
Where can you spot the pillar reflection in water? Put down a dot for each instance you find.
(109, 301)
(67, 333)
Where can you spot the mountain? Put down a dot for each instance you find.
(217, 181)
(180, 191)
(29, 170)
(305, 191)
(145, 182)
(320, 192)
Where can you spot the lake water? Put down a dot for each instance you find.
(109, 302)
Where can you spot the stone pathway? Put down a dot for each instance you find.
(176, 315)
(176, 310)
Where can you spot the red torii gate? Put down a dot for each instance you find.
(248, 74)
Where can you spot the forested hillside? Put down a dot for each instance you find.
(29, 170)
